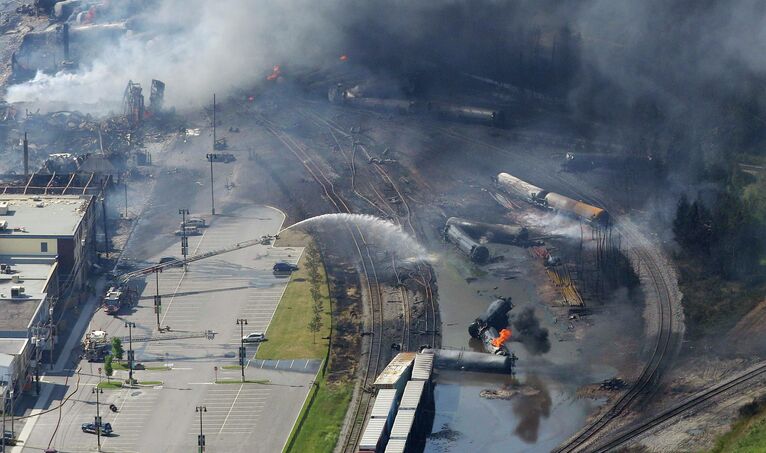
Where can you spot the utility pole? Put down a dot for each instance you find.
(130, 326)
(214, 125)
(97, 390)
(26, 159)
(13, 431)
(212, 157)
(5, 391)
(158, 298)
(201, 437)
(103, 212)
(125, 186)
(184, 239)
(242, 351)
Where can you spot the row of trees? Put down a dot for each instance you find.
(313, 264)
(726, 234)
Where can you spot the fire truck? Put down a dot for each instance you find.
(115, 299)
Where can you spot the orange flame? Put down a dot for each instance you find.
(505, 334)
(343, 57)
(275, 73)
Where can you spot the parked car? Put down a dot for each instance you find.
(283, 266)
(92, 428)
(190, 231)
(195, 222)
(226, 157)
(254, 337)
(9, 439)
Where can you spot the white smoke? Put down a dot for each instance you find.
(196, 47)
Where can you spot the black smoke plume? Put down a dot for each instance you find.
(527, 330)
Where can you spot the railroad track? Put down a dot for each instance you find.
(423, 273)
(693, 402)
(651, 373)
(369, 280)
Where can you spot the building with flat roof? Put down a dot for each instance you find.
(47, 247)
(60, 226)
(25, 328)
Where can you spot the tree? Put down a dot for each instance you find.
(117, 349)
(108, 369)
(315, 325)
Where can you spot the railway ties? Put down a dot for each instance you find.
(700, 398)
(369, 280)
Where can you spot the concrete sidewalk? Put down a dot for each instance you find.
(43, 401)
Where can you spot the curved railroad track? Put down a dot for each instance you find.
(369, 280)
(651, 373)
(422, 275)
(630, 433)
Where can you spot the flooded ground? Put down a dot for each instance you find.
(541, 408)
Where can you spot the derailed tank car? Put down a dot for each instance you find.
(466, 113)
(493, 232)
(477, 252)
(339, 95)
(494, 117)
(551, 200)
(581, 162)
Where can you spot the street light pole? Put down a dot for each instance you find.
(130, 326)
(184, 239)
(242, 354)
(97, 390)
(201, 437)
(212, 157)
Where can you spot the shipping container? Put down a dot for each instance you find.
(385, 406)
(374, 436)
(423, 367)
(402, 428)
(413, 393)
(396, 446)
(397, 372)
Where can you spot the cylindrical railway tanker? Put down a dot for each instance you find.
(493, 117)
(551, 200)
(493, 232)
(477, 252)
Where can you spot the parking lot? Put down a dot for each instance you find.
(211, 295)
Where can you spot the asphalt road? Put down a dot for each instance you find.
(210, 295)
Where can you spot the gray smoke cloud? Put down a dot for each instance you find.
(654, 65)
(196, 47)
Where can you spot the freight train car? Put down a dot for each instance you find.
(493, 232)
(551, 200)
(580, 162)
(477, 252)
(467, 113)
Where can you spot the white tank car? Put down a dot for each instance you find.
(517, 187)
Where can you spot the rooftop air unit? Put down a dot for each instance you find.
(17, 291)
(3, 208)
